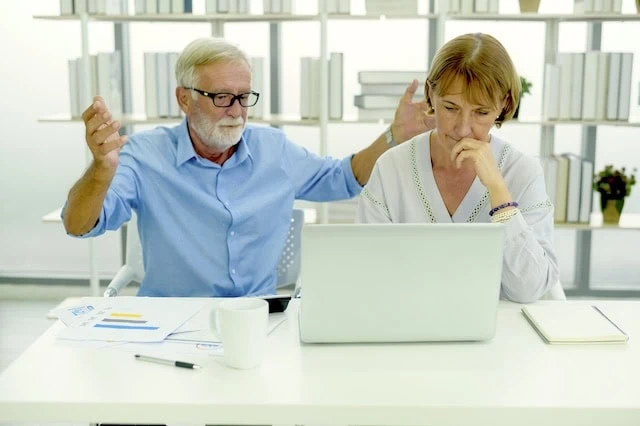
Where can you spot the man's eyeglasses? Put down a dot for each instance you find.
(225, 100)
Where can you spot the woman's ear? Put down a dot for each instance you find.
(428, 95)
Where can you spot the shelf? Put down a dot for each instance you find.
(187, 17)
(293, 120)
(591, 17)
(628, 221)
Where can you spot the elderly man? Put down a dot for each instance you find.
(213, 195)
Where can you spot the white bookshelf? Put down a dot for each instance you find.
(438, 22)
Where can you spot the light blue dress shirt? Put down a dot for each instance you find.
(211, 230)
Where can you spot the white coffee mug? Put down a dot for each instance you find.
(241, 323)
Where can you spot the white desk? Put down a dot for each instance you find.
(515, 379)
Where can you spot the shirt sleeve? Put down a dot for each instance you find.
(319, 178)
(120, 198)
(372, 206)
(530, 267)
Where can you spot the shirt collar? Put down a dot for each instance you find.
(185, 150)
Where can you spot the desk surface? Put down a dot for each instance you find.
(513, 379)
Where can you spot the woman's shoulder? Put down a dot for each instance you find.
(399, 155)
(511, 158)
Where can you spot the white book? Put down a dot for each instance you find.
(66, 7)
(266, 6)
(452, 5)
(385, 7)
(305, 87)
(74, 100)
(376, 114)
(243, 7)
(562, 188)
(92, 7)
(150, 79)
(164, 7)
(613, 87)
(494, 6)
(603, 85)
(566, 76)
(616, 6)
(551, 101)
(174, 108)
(574, 188)
(109, 80)
(466, 7)
(383, 89)
(151, 7)
(566, 323)
(332, 6)
(140, 7)
(286, 6)
(481, 6)
(335, 85)
(391, 77)
(376, 101)
(577, 62)
(344, 6)
(624, 93)
(590, 84)
(223, 6)
(586, 197)
(314, 81)
(162, 83)
(597, 6)
(257, 84)
(112, 7)
(211, 6)
(80, 6)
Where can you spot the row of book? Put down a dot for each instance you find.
(94, 7)
(391, 7)
(588, 86)
(163, 7)
(597, 6)
(569, 184)
(310, 86)
(380, 92)
(104, 79)
(471, 6)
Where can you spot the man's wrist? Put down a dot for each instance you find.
(388, 136)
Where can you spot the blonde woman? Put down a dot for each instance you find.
(459, 172)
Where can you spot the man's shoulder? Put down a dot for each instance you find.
(154, 139)
(256, 132)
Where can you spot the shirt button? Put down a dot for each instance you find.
(226, 203)
(233, 271)
(232, 233)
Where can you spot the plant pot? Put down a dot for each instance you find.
(638, 6)
(611, 210)
(529, 6)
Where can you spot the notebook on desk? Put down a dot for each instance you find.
(400, 282)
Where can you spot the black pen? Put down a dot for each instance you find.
(181, 364)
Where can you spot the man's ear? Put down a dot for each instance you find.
(184, 99)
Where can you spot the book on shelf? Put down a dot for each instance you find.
(257, 84)
(104, 79)
(150, 84)
(376, 114)
(565, 61)
(586, 196)
(590, 84)
(602, 85)
(562, 188)
(164, 7)
(551, 89)
(613, 87)
(162, 83)
(574, 188)
(391, 77)
(566, 323)
(384, 7)
(568, 182)
(384, 89)
(339, 6)
(227, 6)
(380, 101)
(577, 63)
(336, 66)
(94, 7)
(624, 93)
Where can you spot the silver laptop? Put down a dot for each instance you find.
(400, 282)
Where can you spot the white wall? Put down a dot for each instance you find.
(40, 161)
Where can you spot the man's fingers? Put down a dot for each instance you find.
(103, 134)
(97, 106)
(411, 91)
(110, 145)
(98, 122)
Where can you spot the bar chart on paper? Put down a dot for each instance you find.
(125, 319)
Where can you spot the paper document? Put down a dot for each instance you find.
(569, 323)
(198, 329)
(126, 319)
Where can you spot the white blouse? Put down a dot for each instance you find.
(402, 189)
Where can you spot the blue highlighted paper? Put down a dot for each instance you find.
(127, 327)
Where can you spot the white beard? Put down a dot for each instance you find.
(217, 135)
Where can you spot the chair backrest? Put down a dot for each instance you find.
(133, 270)
(289, 264)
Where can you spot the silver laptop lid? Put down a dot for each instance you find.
(400, 282)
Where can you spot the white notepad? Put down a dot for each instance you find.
(568, 323)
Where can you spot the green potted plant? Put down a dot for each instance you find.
(614, 185)
(525, 89)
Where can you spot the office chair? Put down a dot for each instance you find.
(288, 267)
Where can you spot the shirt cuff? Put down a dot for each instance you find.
(352, 183)
(515, 226)
(97, 229)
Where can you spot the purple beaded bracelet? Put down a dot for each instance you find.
(502, 206)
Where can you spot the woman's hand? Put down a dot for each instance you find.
(480, 154)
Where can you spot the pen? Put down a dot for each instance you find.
(181, 364)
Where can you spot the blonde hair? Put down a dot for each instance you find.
(205, 51)
(484, 66)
